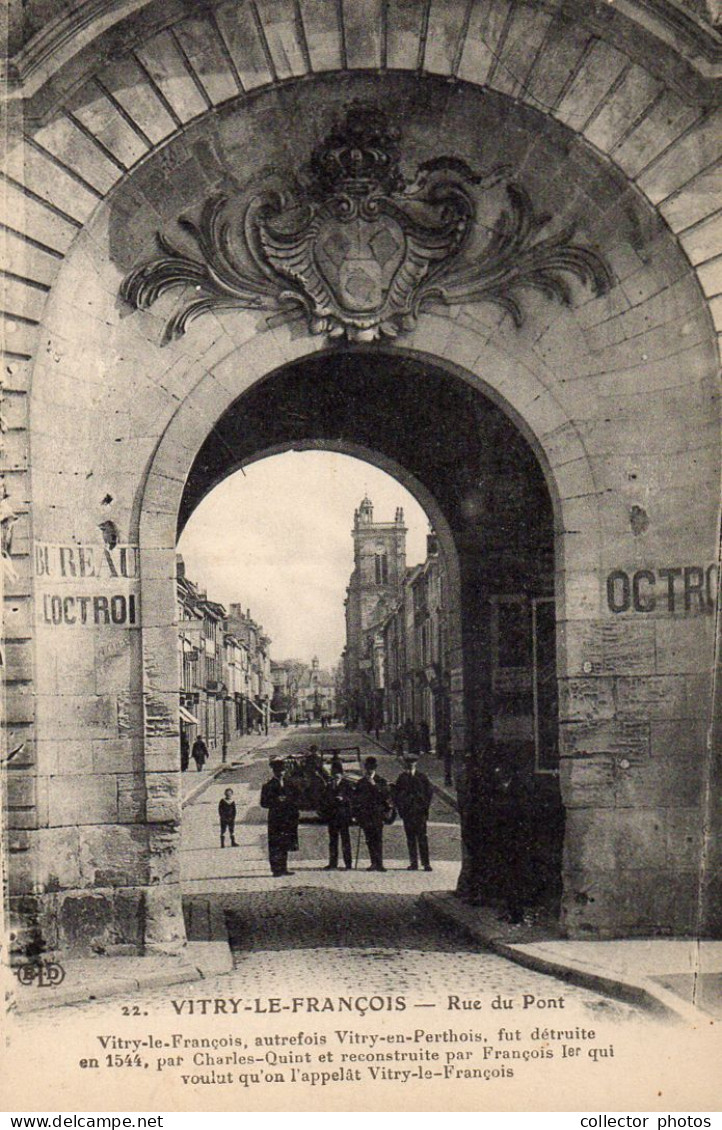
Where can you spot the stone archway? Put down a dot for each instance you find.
(618, 395)
(485, 492)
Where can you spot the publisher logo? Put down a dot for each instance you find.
(40, 973)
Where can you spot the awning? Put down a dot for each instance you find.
(186, 716)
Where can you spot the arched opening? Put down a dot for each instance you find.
(486, 494)
(616, 395)
(314, 657)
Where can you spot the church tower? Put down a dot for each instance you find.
(379, 571)
(379, 553)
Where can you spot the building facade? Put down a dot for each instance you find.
(225, 668)
(259, 685)
(302, 692)
(416, 663)
(316, 694)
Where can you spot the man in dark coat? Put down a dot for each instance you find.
(199, 753)
(279, 798)
(412, 796)
(185, 751)
(336, 812)
(372, 805)
(509, 828)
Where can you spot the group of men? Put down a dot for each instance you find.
(370, 801)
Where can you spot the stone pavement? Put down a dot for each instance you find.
(383, 941)
(674, 977)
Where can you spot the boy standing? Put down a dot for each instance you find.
(227, 816)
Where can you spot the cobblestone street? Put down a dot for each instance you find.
(334, 962)
(302, 942)
(306, 940)
(344, 931)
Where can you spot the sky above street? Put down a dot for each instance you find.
(277, 539)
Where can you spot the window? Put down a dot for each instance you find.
(524, 677)
(382, 568)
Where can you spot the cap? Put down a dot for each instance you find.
(277, 760)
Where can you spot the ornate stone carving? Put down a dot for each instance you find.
(360, 250)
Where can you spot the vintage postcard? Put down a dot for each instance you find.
(360, 516)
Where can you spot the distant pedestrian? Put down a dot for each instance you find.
(336, 811)
(412, 795)
(185, 751)
(278, 796)
(413, 741)
(398, 746)
(424, 737)
(372, 807)
(227, 817)
(199, 753)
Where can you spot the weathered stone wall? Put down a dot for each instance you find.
(619, 397)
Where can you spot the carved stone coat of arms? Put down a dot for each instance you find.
(360, 250)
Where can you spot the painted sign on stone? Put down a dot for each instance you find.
(681, 588)
(86, 585)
